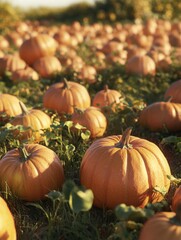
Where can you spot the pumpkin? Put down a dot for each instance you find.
(9, 106)
(124, 169)
(7, 226)
(26, 74)
(31, 171)
(174, 91)
(140, 65)
(11, 63)
(176, 200)
(37, 47)
(35, 120)
(47, 66)
(163, 225)
(160, 115)
(65, 96)
(108, 98)
(88, 74)
(91, 118)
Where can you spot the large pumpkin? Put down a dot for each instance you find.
(9, 106)
(35, 120)
(174, 91)
(91, 118)
(163, 225)
(124, 169)
(65, 96)
(37, 47)
(7, 225)
(160, 115)
(31, 172)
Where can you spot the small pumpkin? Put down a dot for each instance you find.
(174, 91)
(124, 169)
(31, 172)
(163, 225)
(9, 106)
(7, 226)
(108, 98)
(35, 120)
(65, 96)
(47, 66)
(91, 118)
(160, 115)
(11, 63)
(26, 74)
(140, 65)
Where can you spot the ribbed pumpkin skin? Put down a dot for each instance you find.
(174, 91)
(128, 176)
(7, 225)
(64, 99)
(47, 66)
(32, 179)
(37, 47)
(36, 119)
(159, 115)
(176, 200)
(159, 227)
(93, 119)
(11, 63)
(108, 97)
(9, 105)
(141, 65)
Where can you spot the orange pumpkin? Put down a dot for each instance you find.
(26, 74)
(163, 225)
(37, 47)
(174, 91)
(11, 63)
(176, 200)
(31, 172)
(7, 226)
(65, 96)
(160, 115)
(91, 118)
(9, 105)
(141, 65)
(108, 97)
(35, 120)
(47, 66)
(124, 169)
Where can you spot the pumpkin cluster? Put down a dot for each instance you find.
(164, 115)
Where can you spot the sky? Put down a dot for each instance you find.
(47, 3)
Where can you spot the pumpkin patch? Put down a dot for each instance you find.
(72, 82)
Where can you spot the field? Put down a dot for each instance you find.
(94, 56)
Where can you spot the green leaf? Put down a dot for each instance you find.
(85, 135)
(54, 195)
(69, 124)
(81, 200)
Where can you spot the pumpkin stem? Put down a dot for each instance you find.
(23, 153)
(106, 88)
(169, 99)
(23, 108)
(124, 141)
(66, 85)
